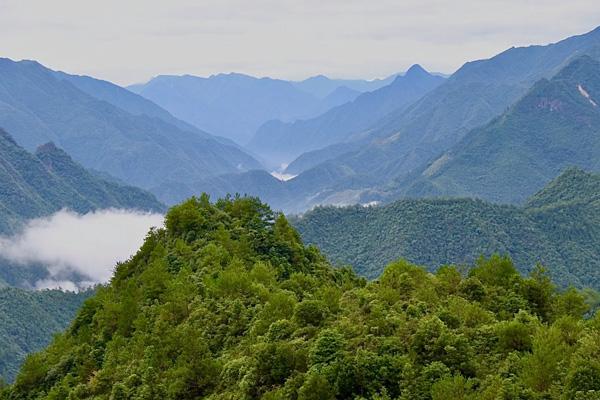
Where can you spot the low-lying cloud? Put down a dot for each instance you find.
(88, 245)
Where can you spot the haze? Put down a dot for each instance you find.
(128, 42)
(89, 244)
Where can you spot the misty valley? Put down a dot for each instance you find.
(422, 235)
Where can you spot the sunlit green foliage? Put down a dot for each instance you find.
(226, 303)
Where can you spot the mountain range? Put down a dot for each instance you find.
(321, 86)
(234, 105)
(39, 184)
(386, 160)
(555, 125)
(283, 142)
(479, 91)
(144, 146)
(558, 227)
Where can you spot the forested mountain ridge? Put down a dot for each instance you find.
(285, 141)
(28, 321)
(37, 106)
(555, 125)
(227, 303)
(573, 186)
(559, 227)
(35, 185)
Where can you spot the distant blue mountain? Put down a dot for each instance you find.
(109, 129)
(235, 105)
(377, 163)
(322, 86)
(282, 142)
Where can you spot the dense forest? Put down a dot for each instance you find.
(28, 319)
(558, 227)
(38, 184)
(226, 302)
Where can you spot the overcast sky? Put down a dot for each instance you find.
(129, 41)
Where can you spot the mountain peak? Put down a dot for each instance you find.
(571, 186)
(50, 154)
(7, 136)
(416, 70)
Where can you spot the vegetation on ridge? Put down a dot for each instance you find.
(227, 303)
(559, 227)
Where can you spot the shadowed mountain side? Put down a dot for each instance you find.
(555, 125)
(38, 105)
(35, 185)
(404, 142)
(282, 142)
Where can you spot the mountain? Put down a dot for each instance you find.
(38, 105)
(555, 125)
(232, 105)
(404, 142)
(227, 303)
(559, 227)
(123, 99)
(322, 86)
(283, 141)
(40, 184)
(572, 187)
(28, 321)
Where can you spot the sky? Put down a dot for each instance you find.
(129, 41)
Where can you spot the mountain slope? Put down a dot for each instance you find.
(123, 99)
(37, 106)
(28, 321)
(285, 141)
(571, 187)
(559, 228)
(227, 303)
(403, 142)
(39, 184)
(230, 105)
(555, 125)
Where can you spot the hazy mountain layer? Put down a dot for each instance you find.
(555, 125)
(235, 105)
(38, 105)
(283, 142)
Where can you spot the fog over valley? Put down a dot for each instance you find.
(89, 245)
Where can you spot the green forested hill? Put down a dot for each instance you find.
(559, 228)
(28, 319)
(555, 125)
(34, 185)
(227, 303)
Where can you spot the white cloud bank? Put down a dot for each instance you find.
(89, 244)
